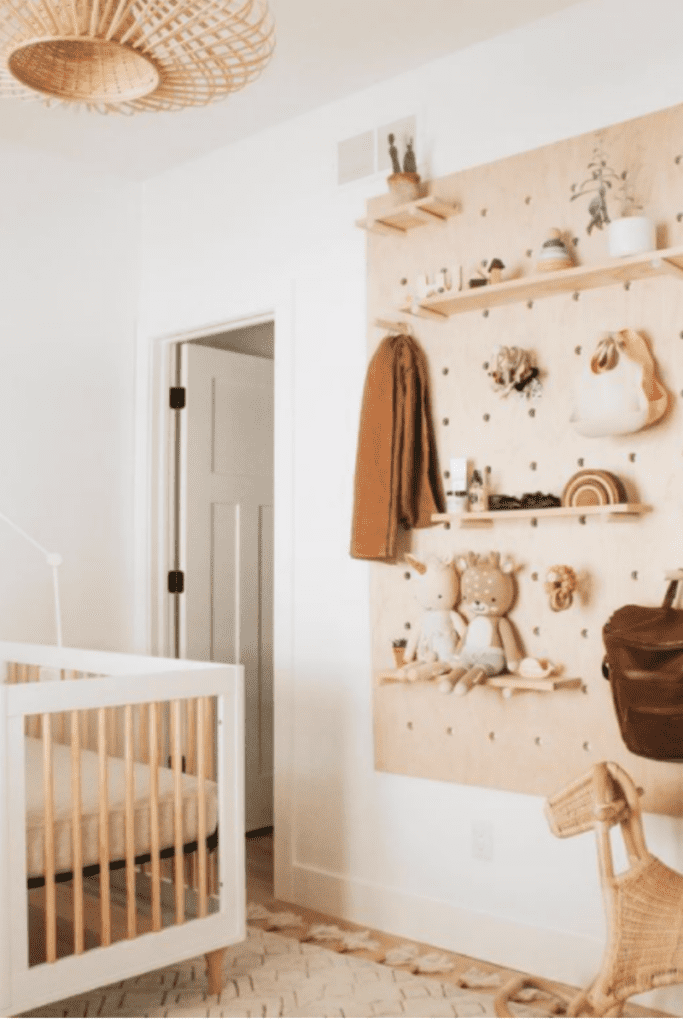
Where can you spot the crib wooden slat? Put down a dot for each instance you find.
(76, 833)
(176, 739)
(130, 822)
(191, 727)
(201, 802)
(105, 901)
(154, 813)
(49, 835)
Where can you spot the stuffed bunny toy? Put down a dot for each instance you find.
(489, 646)
(432, 646)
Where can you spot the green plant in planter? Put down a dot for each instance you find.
(602, 178)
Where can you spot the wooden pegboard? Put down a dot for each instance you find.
(535, 743)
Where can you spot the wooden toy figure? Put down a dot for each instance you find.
(431, 647)
(490, 646)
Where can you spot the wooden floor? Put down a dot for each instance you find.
(259, 861)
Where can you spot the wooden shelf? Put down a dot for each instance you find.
(506, 681)
(609, 512)
(540, 286)
(401, 219)
(547, 685)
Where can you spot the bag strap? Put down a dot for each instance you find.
(670, 594)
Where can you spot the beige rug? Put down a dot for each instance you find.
(270, 975)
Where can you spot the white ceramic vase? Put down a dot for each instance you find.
(628, 236)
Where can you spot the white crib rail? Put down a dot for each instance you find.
(127, 682)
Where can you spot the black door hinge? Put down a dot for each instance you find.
(176, 581)
(177, 398)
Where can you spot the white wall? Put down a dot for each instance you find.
(226, 237)
(68, 266)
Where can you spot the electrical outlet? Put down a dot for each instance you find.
(482, 840)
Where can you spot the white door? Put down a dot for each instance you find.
(226, 539)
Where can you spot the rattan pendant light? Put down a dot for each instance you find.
(132, 55)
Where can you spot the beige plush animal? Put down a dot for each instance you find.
(434, 643)
(490, 646)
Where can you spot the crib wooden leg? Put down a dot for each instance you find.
(214, 971)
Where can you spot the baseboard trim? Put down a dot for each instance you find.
(560, 956)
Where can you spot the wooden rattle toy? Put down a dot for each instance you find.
(560, 585)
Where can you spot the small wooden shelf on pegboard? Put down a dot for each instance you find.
(610, 512)
(505, 682)
(416, 214)
(539, 286)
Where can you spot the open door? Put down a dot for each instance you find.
(225, 531)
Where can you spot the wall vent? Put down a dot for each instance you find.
(355, 158)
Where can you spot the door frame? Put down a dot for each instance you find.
(152, 529)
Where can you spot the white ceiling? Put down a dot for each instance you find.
(326, 49)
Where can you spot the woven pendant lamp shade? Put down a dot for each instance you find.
(132, 55)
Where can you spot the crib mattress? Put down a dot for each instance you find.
(61, 763)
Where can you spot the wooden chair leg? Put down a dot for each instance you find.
(214, 971)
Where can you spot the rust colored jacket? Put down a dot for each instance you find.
(397, 474)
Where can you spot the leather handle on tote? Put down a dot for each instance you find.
(670, 594)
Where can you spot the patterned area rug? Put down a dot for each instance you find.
(270, 975)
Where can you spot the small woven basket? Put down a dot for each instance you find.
(572, 810)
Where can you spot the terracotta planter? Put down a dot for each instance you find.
(404, 187)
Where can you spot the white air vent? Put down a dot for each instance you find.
(356, 158)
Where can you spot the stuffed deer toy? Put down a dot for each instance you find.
(432, 646)
(489, 646)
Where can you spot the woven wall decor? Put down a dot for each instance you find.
(132, 55)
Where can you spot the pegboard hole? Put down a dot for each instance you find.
(445, 370)
(584, 633)
(533, 465)
(582, 520)
(577, 350)
(485, 366)
(538, 741)
(587, 746)
(576, 296)
(530, 253)
(580, 462)
(445, 421)
(534, 522)
(632, 457)
(492, 737)
(537, 630)
(677, 160)
(484, 211)
(534, 577)
(406, 625)
(530, 304)
(484, 313)
(446, 526)
(406, 575)
(449, 730)
(527, 200)
(627, 286)
(486, 417)
(634, 574)
(404, 280)
(409, 725)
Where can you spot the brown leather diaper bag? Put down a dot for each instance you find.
(644, 664)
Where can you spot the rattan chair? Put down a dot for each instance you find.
(643, 904)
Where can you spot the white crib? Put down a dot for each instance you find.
(121, 818)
